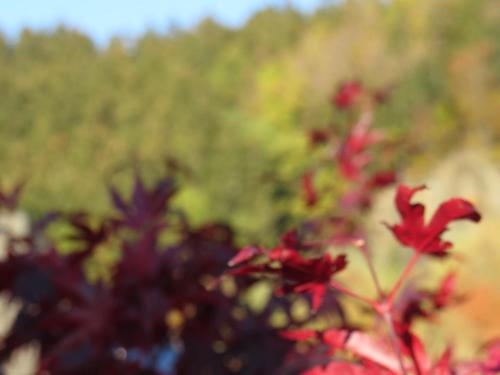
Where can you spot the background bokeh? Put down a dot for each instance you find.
(232, 106)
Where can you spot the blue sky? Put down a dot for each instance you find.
(104, 18)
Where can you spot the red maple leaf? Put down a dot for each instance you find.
(353, 155)
(295, 273)
(308, 275)
(245, 254)
(426, 238)
(347, 94)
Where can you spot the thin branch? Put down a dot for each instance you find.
(394, 341)
(409, 267)
(337, 286)
(373, 273)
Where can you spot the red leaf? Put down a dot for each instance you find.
(318, 136)
(318, 370)
(246, 253)
(446, 290)
(347, 94)
(299, 334)
(317, 292)
(296, 273)
(413, 232)
(344, 368)
(418, 354)
(382, 179)
(310, 275)
(310, 195)
(443, 366)
(492, 362)
(373, 350)
(248, 270)
(353, 156)
(336, 338)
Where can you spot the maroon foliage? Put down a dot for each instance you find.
(155, 305)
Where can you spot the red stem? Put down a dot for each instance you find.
(414, 359)
(373, 273)
(394, 341)
(335, 285)
(403, 277)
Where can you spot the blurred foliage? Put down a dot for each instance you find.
(232, 106)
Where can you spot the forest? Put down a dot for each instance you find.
(232, 106)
